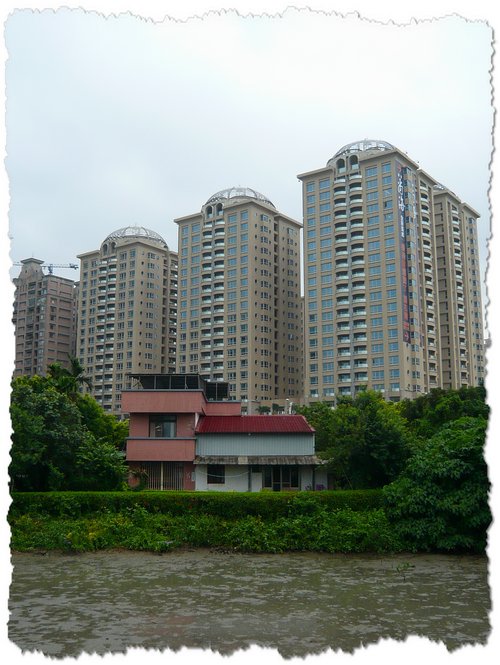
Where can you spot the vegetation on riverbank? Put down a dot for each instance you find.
(62, 439)
(337, 521)
(410, 476)
(301, 522)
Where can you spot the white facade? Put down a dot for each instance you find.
(240, 478)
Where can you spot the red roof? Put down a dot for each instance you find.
(253, 425)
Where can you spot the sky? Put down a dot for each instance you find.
(139, 119)
(120, 121)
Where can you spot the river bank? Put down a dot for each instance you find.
(139, 530)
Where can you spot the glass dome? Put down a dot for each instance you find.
(238, 193)
(135, 232)
(361, 146)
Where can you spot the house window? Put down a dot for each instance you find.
(280, 477)
(216, 474)
(162, 426)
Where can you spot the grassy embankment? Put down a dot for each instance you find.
(339, 521)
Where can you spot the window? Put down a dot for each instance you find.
(162, 426)
(216, 474)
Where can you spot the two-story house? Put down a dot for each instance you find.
(186, 435)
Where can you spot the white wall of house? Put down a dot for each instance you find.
(237, 479)
(320, 478)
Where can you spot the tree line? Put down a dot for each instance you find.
(427, 454)
(63, 439)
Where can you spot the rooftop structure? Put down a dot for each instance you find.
(238, 193)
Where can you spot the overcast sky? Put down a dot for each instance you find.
(119, 121)
(123, 121)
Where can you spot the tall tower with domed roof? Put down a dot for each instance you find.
(127, 311)
(392, 284)
(240, 310)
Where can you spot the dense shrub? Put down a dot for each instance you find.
(440, 501)
(345, 521)
(229, 505)
(341, 530)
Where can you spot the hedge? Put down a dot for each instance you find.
(230, 505)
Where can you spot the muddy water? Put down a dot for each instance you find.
(298, 604)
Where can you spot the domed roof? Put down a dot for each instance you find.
(238, 193)
(367, 145)
(135, 232)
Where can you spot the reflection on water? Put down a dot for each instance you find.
(298, 604)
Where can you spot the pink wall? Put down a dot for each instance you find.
(160, 450)
(223, 409)
(166, 401)
(162, 401)
(185, 424)
(139, 425)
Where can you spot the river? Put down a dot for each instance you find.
(298, 603)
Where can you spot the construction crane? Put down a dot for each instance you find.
(50, 266)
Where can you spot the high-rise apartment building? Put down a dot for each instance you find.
(127, 311)
(240, 314)
(44, 319)
(392, 284)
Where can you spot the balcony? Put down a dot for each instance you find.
(361, 376)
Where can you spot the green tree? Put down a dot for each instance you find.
(98, 466)
(320, 416)
(364, 440)
(50, 442)
(46, 435)
(101, 424)
(428, 413)
(370, 442)
(69, 380)
(440, 501)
